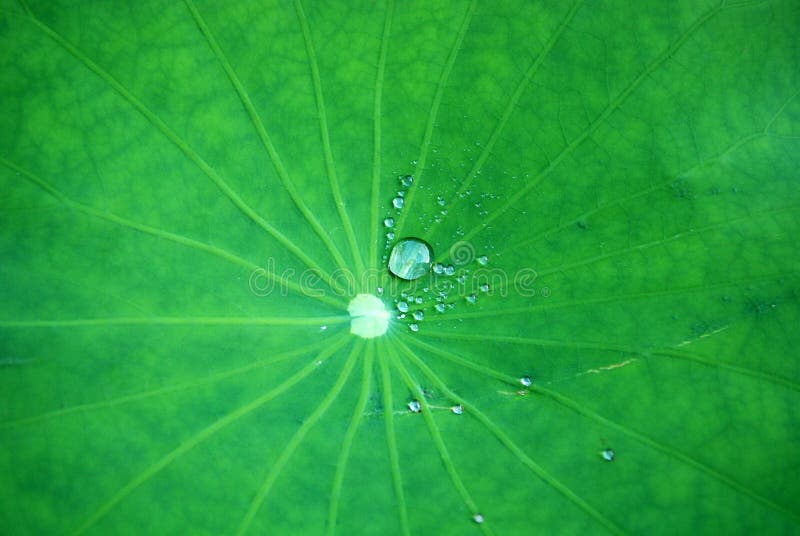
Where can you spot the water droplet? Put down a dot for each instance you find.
(438, 268)
(440, 307)
(415, 406)
(418, 299)
(388, 222)
(402, 306)
(410, 259)
(414, 327)
(608, 455)
(458, 410)
(477, 518)
(407, 180)
(449, 269)
(379, 290)
(398, 202)
(418, 315)
(323, 328)
(390, 235)
(483, 260)
(484, 287)
(462, 278)
(472, 298)
(440, 200)
(526, 381)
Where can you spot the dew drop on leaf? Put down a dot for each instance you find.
(449, 269)
(440, 307)
(608, 455)
(458, 409)
(402, 306)
(407, 180)
(438, 268)
(415, 406)
(526, 381)
(388, 222)
(410, 258)
(398, 202)
(483, 260)
(472, 298)
(414, 327)
(418, 315)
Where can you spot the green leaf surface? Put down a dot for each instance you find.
(192, 193)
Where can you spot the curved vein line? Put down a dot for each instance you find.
(391, 438)
(646, 245)
(611, 299)
(347, 444)
(266, 141)
(487, 371)
(177, 321)
(298, 437)
(333, 179)
(376, 138)
(204, 434)
(434, 112)
(641, 193)
(581, 409)
(179, 142)
(772, 378)
(118, 401)
(433, 429)
(599, 120)
(535, 468)
(166, 235)
(516, 96)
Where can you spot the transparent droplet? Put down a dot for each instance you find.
(484, 287)
(418, 300)
(440, 200)
(410, 259)
(414, 327)
(438, 268)
(483, 260)
(398, 202)
(418, 315)
(462, 278)
(440, 307)
(526, 381)
(472, 298)
(608, 455)
(388, 222)
(379, 290)
(407, 180)
(458, 409)
(449, 269)
(477, 518)
(402, 306)
(415, 406)
(390, 235)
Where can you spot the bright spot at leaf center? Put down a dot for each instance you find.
(368, 316)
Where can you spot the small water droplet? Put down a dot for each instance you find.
(414, 327)
(484, 287)
(472, 298)
(440, 307)
(402, 306)
(483, 260)
(462, 278)
(440, 200)
(418, 299)
(526, 381)
(449, 269)
(390, 235)
(388, 222)
(398, 202)
(438, 268)
(477, 518)
(608, 455)
(379, 290)
(407, 180)
(323, 328)
(418, 315)
(415, 406)
(410, 259)
(458, 409)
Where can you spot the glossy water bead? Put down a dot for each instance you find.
(410, 258)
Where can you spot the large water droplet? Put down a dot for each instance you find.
(410, 259)
(402, 307)
(398, 202)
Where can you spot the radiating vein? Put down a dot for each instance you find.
(583, 410)
(347, 443)
(514, 101)
(375, 190)
(535, 468)
(289, 449)
(333, 179)
(178, 321)
(187, 445)
(391, 437)
(436, 435)
(434, 112)
(766, 376)
(179, 142)
(546, 306)
(663, 241)
(134, 397)
(166, 235)
(255, 118)
(667, 53)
